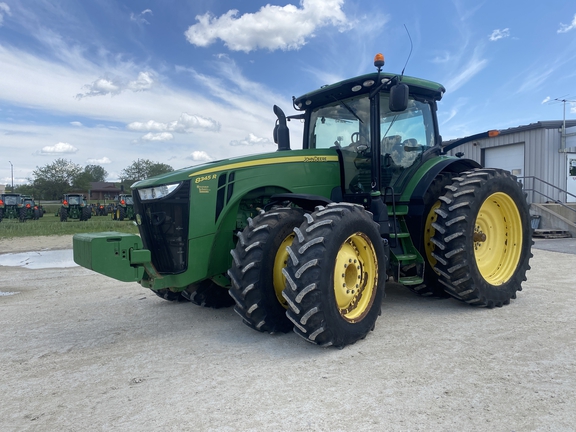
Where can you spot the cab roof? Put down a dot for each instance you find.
(363, 84)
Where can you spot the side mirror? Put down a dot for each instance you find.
(399, 97)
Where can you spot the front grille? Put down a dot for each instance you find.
(164, 229)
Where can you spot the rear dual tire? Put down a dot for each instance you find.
(431, 287)
(483, 238)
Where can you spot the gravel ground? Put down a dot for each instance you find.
(81, 352)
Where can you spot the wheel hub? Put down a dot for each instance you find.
(280, 261)
(355, 277)
(497, 238)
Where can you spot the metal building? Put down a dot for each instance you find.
(539, 154)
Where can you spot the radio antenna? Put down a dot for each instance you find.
(409, 54)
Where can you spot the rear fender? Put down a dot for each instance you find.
(414, 195)
(423, 178)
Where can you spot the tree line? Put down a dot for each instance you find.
(62, 176)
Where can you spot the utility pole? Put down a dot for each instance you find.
(12, 173)
(564, 126)
(563, 131)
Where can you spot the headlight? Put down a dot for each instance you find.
(157, 192)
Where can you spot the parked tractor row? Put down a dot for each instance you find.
(18, 206)
(120, 209)
(72, 206)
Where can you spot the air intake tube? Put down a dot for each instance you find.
(281, 131)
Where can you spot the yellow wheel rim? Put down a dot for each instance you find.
(498, 238)
(429, 232)
(280, 261)
(355, 277)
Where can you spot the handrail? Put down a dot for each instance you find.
(533, 190)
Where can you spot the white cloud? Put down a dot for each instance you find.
(272, 27)
(467, 72)
(499, 34)
(76, 123)
(567, 27)
(185, 124)
(115, 86)
(59, 148)
(4, 9)
(546, 99)
(200, 156)
(139, 18)
(100, 161)
(252, 140)
(144, 81)
(572, 108)
(162, 136)
(445, 57)
(230, 103)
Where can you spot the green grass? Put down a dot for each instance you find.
(51, 225)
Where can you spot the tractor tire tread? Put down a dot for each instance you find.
(457, 266)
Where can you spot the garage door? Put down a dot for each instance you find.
(509, 157)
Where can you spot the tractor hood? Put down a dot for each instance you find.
(244, 162)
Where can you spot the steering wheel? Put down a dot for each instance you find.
(355, 138)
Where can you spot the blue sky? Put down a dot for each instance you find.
(183, 82)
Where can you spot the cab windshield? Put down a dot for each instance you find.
(341, 124)
(12, 200)
(345, 125)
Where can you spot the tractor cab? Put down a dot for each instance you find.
(11, 205)
(11, 199)
(383, 127)
(397, 145)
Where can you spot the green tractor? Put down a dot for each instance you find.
(29, 208)
(124, 209)
(12, 207)
(74, 206)
(101, 210)
(305, 239)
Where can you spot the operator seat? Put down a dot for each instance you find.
(390, 145)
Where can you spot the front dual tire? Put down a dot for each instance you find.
(335, 275)
(256, 274)
(321, 274)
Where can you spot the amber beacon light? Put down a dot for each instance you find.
(379, 60)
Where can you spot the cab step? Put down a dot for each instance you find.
(410, 280)
(400, 235)
(406, 257)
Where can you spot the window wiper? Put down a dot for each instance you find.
(390, 127)
(345, 105)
